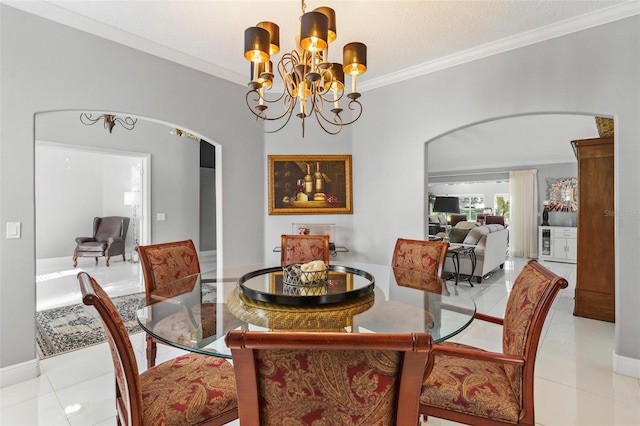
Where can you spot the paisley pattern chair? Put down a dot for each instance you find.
(171, 264)
(420, 255)
(304, 248)
(188, 390)
(472, 386)
(306, 378)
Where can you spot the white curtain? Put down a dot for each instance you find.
(523, 215)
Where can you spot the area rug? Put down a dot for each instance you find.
(74, 327)
(69, 328)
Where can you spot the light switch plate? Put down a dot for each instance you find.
(161, 216)
(13, 229)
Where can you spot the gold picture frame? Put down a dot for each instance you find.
(328, 192)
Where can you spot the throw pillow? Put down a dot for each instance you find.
(457, 235)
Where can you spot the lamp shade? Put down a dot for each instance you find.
(314, 31)
(354, 57)
(274, 36)
(256, 44)
(446, 205)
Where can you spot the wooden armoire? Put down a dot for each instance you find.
(595, 280)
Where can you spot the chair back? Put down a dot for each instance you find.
(307, 378)
(530, 299)
(303, 248)
(420, 255)
(128, 389)
(455, 218)
(498, 220)
(167, 262)
(110, 227)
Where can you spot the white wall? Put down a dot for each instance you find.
(595, 71)
(73, 187)
(50, 67)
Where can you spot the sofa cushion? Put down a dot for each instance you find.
(466, 224)
(457, 235)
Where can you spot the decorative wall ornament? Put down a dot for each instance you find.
(562, 194)
(110, 121)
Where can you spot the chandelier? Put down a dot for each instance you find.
(311, 85)
(110, 120)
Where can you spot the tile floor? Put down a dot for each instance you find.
(575, 382)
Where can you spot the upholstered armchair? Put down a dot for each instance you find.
(304, 248)
(108, 239)
(472, 386)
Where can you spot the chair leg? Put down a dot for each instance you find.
(75, 261)
(151, 352)
(124, 259)
(107, 260)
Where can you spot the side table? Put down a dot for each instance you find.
(454, 252)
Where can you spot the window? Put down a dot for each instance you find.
(501, 205)
(471, 205)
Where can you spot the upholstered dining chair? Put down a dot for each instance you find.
(473, 386)
(498, 220)
(304, 248)
(109, 234)
(165, 264)
(307, 378)
(420, 255)
(188, 390)
(455, 218)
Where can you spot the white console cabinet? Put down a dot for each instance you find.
(558, 243)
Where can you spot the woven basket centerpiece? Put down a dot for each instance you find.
(306, 279)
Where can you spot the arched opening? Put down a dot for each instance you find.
(88, 172)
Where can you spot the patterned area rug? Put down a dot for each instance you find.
(69, 328)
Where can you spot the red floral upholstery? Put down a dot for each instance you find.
(167, 262)
(188, 390)
(419, 280)
(167, 269)
(470, 385)
(298, 378)
(304, 248)
(420, 255)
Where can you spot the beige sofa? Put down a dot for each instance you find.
(490, 243)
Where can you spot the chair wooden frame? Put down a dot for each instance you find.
(129, 389)
(151, 281)
(324, 240)
(442, 246)
(526, 361)
(415, 350)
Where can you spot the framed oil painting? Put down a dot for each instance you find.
(310, 184)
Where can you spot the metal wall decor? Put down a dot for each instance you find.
(562, 194)
(110, 120)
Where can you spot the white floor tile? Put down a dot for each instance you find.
(44, 410)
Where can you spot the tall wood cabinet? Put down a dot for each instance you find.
(595, 280)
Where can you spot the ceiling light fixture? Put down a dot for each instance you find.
(110, 120)
(307, 75)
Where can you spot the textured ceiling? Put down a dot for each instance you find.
(404, 38)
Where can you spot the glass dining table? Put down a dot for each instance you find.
(195, 314)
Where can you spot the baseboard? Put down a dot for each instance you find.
(626, 366)
(211, 253)
(19, 372)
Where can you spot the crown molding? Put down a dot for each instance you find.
(600, 17)
(590, 20)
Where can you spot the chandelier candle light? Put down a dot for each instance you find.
(307, 75)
